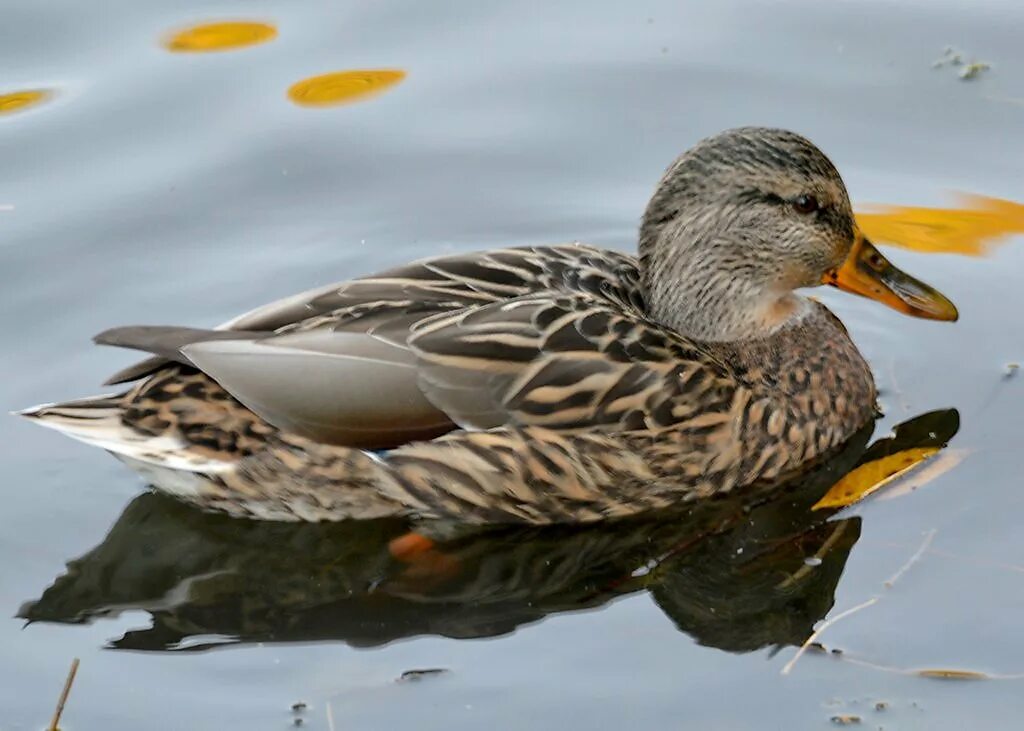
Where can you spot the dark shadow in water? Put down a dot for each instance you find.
(732, 574)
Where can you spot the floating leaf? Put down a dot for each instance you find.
(343, 87)
(911, 443)
(872, 476)
(953, 674)
(972, 230)
(419, 674)
(971, 70)
(220, 37)
(16, 101)
(939, 465)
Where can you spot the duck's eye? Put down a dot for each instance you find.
(875, 261)
(805, 204)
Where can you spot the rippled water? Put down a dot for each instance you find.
(159, 187)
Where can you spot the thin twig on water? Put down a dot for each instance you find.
(936, 673)
(912, 560)
(825, 625)
(330, 717)
(889, 583)
(64, 695)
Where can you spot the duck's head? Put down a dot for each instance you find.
(746, 217)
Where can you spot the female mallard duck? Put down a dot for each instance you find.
(561, 384)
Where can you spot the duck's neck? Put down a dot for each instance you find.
(705, 273)
(709, 299)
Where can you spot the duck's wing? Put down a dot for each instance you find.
(164, 341)
(335, 364)
(391, 301)
(564, 362)
(551, 360)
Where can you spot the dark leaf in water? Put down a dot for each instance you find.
(417, 675)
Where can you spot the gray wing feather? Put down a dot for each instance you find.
(341, 388)
(165, 341)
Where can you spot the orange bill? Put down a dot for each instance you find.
(867, 273)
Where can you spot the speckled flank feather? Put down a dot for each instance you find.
(575, 384)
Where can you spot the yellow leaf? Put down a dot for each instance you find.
(220, 37)
(846, 720)
(953, 674)
(342, 87)
(15, 101)
(872, 476)
(972, 230)
(940, 465)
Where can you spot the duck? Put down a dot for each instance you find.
(538, 385)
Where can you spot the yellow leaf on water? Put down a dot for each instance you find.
(938, 465)
(220, 37)
(971, 230)
(15, 101)
(342, 87)
(953, 674)
(872, 476)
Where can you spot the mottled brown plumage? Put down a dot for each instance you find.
(561, 384)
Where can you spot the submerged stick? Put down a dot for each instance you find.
(64, 695)
(820, 554)
(825, 625)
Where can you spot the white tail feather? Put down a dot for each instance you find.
(97, 421)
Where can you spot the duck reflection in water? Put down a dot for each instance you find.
(735, 573)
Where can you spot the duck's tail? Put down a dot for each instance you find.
(100, 421)
(94, 420)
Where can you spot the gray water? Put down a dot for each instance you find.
(184, 188)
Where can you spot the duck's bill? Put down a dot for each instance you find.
(867, 273)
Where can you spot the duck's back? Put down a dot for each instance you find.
(334, 362)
